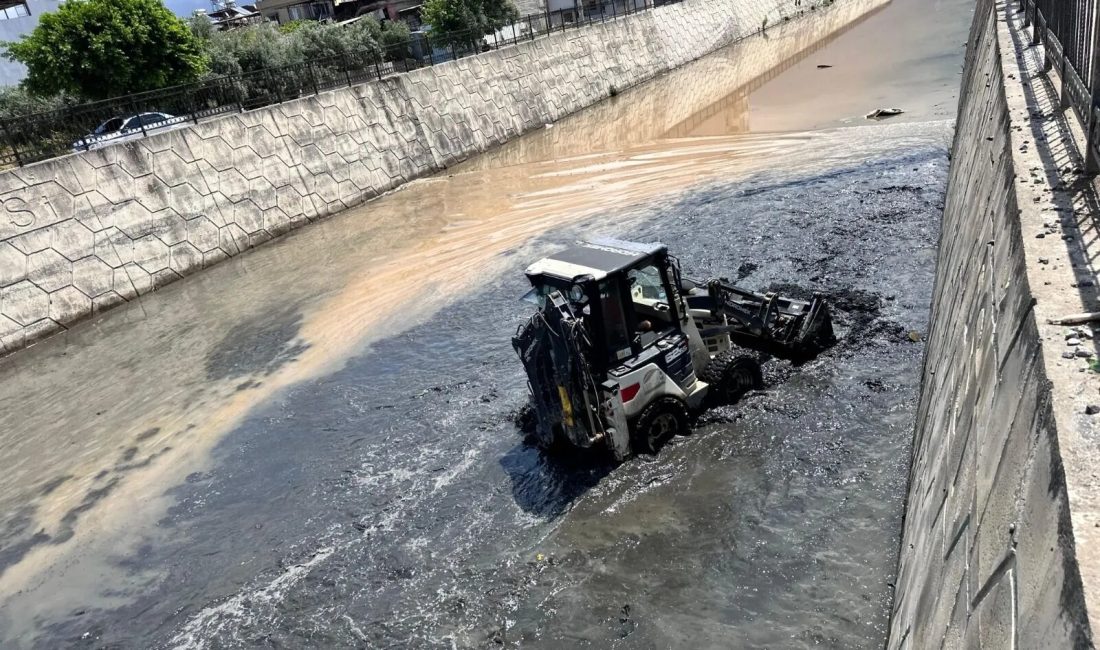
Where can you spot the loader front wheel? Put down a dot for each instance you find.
(658, 423)
(730, 376)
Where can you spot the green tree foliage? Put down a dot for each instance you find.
(463, 22)
(202, 27)
(247, 49)
(103, 48)
(395, 40)
(265, 46)
(292, 25)
(332, 43)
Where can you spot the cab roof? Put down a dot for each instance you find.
(598, 258)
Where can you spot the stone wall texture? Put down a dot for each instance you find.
(987, 557)
(82, 233)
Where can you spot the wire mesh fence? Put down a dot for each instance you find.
(40, 136)
(1069, 33)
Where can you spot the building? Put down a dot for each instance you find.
(284, 11)
(18, 18)
(406, 11)
(227, 15)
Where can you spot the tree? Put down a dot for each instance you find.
(104, 48)
(331, 44)
(202, 27)
(464, 22)
(395, 40)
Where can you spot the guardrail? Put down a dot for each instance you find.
(41, 136)
(1069, 31)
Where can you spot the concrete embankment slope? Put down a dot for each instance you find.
(88, 231)
(989, 557)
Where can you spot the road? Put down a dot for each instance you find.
(312, 444)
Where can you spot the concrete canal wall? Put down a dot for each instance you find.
(87, 231)
(992, 551)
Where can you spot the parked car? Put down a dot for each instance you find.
(127, 128)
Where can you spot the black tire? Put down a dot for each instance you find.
(664, 418)
(730, 376)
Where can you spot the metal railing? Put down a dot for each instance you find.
(31, 138)
(1069, 31)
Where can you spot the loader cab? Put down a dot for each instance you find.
(624, 291)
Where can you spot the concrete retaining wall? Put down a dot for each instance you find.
(988, 556)
(88, 231)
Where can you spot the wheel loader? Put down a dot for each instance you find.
(622, 348)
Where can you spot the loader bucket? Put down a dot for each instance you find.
(815, 332)
(788, 328)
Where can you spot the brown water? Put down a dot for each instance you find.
(99, 424)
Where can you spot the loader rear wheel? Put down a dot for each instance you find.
(658, 423)
(730, 376)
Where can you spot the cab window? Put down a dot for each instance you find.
(646, 285)
(616, 333)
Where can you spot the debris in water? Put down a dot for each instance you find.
(822, 66)
(1092, 409)
(914, 336)
(883, 113)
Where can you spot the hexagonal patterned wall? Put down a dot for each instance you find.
(88, 231)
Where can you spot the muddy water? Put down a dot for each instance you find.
(285, 449)
(906, 56)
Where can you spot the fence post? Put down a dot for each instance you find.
(1048, 64)
(15, 149)
(1092, 164)
(191, 102)
(275, 84)
(238, 92)
(312, 79)
(1063, 100)
(347, 68)
(141, 121)
(1035, 26)
(377, 68)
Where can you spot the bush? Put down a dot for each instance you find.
(248, 49)
(16, 101)
(331, 44)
